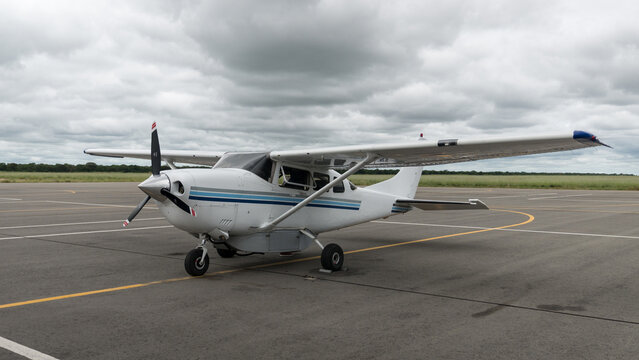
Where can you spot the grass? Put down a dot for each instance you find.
(590, 182)
(41, 177)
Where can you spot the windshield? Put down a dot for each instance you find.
(259, 164)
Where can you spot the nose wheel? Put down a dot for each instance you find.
(196, 262)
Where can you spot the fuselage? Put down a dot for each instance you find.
(239, 202)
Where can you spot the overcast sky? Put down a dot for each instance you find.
(275, 75)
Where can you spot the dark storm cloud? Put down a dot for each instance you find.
(248, 75)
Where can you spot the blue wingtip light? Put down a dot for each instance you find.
(583, 136)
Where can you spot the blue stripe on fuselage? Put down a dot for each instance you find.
(270, 200)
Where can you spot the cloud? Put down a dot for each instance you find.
(250, 75)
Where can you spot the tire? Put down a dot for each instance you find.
(226, 253)
(191, 263)
(332, 257)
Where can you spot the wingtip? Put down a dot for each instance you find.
(584, 137)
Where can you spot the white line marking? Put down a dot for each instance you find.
(10, 199)
(514, 230)
(631, 202)
(92, 204)
(558, 197)
(76, 223)
(84, 232)
(512, 196)
(21, 201)
(27, 352)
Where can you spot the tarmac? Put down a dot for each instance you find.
(543, 274)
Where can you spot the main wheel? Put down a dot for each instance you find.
(332, 257)
(226, 253)
(192, 262)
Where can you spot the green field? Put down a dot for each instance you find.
(591, 182)
(36, 177)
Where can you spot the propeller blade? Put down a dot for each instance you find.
(181, 204)
(135, 211)
(156, 157)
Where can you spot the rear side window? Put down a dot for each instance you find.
(319, 180)
(295, 178)
(339, 187)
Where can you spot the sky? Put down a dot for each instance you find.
(280, 75)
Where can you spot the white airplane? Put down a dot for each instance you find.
(279, 201)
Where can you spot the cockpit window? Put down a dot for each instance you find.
(259, 164)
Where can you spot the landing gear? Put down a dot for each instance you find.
(196, 262)
(332, 257)
(226, 253)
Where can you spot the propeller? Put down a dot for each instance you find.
(181, 204)
(135, 211)
(157, 185)
(156, 158)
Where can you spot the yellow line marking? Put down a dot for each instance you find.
(530, 219)
(71, 191)
(68, 296)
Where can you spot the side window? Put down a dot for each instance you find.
(339, 187)
(295, 178)
(319, 180)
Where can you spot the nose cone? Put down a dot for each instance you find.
(154, 184)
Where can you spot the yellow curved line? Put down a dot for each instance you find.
(120, 288)
(529, 220)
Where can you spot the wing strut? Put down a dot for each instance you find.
(369, 159)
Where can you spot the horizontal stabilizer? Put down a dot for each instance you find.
(472, 204)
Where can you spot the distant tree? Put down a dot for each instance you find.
(91, 166)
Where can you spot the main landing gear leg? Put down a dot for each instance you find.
(332, 257)
(197, 260)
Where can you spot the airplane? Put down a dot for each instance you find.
(280, 201)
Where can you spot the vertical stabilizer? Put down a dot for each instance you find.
(403, 185)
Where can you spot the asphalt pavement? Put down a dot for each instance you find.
(543, 274)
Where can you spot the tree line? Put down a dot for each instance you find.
(93, 167)
(65, 168)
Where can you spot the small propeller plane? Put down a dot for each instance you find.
(280, 201)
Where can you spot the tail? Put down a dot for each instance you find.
(403, 185)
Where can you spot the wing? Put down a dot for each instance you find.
(423, 153)
(182, 156)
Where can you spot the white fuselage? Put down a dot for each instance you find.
(238, 202)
